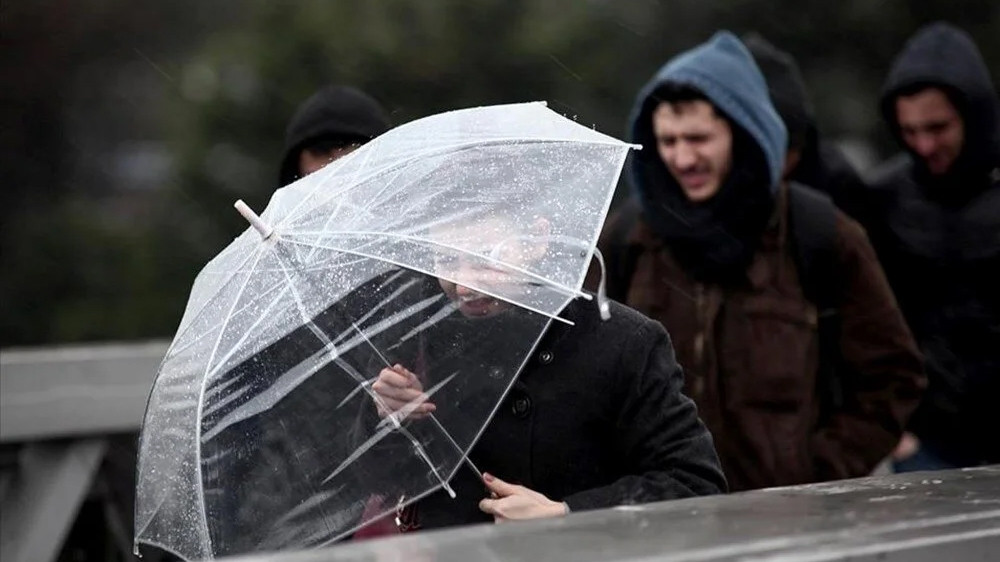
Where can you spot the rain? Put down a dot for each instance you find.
(686, 280)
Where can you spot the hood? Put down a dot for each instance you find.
(332, 113)
(786, 87)
(821, 165)
(941, 54)
(723, 69)
(714, 240)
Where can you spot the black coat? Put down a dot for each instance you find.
(944, 266)
(824, 167)
(595, 419)
(938, 238)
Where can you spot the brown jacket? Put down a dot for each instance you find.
(750, 354)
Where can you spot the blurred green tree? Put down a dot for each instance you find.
(216, 86)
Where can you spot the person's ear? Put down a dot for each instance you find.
(792, 158)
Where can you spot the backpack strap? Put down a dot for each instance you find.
(812, 220)
(814, 236)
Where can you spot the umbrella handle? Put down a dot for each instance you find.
(474, 468)
(467, 460)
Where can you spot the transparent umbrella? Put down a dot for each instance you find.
(446, 246)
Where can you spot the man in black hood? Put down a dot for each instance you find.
(938, 236)
(810, 160)
(331, 123)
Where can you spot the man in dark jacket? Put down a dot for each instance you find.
(710, 255)
(810, 160)
(595, 419)
(938, 235)
(331, 123)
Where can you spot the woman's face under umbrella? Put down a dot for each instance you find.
(498, 238)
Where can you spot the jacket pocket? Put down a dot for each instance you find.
(769, 355)
(767, 383)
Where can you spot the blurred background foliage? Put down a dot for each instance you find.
(130, 127)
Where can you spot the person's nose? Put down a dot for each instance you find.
(463, 291)
(466, 274)
(684, 156)
(925, 144)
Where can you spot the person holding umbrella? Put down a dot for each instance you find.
(596, 418)
(454, 246)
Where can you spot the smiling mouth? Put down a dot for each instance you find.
(475, 300)
(477, 305)
(695, 179)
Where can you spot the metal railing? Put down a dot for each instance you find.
(59, 408)
(63, 412)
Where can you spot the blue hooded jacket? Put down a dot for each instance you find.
(717, 237)
(724, 70)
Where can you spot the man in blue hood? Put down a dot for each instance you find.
(937, 233)
(711, 250)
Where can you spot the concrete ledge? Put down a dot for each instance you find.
(75, 390)
(953, 516)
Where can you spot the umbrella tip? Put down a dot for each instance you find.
(255, 221)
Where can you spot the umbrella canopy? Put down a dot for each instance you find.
(447, 246)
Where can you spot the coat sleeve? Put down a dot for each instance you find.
(883, 377)
(667, 451)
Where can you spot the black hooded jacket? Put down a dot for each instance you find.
(939, 241)
(944, 56)
(340, 114)
(822, 165)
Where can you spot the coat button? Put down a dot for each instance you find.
(521, 406)
(545, 357)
